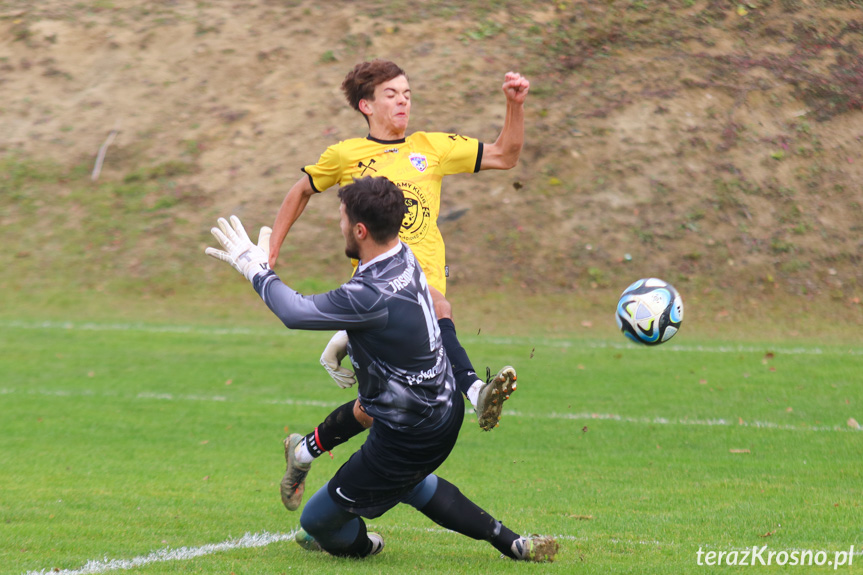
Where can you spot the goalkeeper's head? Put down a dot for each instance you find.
(376, 204)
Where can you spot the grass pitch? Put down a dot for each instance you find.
(158, 447)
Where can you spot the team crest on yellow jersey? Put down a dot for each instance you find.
(419, 161)
(417, 219)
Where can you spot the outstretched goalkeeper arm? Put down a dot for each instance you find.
(334, 310)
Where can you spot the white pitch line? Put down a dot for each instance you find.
(94, 567)
(720, 422)
(163, 555)
(534, 341)
(263, 539)
(582, 416)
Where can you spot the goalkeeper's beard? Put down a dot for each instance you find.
(352, 248)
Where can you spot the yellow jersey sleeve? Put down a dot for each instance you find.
(458, 154)
(329, 169)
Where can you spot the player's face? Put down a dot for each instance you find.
(391, 109)
(352, 248)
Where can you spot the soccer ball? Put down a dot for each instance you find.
(649, 311)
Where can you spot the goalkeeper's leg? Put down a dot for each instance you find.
(343, 423)
(487, 396)
(443, 503)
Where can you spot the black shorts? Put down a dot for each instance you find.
(391, 463)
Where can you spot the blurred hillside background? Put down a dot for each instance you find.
(715, 144)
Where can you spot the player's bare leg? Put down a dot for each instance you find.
(487, 396)
(361, 416)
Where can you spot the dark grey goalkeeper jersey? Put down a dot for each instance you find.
(404, 377)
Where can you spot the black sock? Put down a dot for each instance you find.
(462, 369)
(449, 508)
(337, 428)
(361, 547)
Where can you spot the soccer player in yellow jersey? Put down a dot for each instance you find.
(417, 163)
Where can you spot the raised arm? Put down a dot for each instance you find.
(292, 206)
(504, 153)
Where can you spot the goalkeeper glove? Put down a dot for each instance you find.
(332, 357)
(239, 251)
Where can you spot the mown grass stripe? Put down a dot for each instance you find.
(582, 416)
(492, 340)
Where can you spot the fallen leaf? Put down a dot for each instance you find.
(229, 382)
(206, 478)
(205, 442)
(789, 409)
(739, 451)
(853, 423)
(768, 534)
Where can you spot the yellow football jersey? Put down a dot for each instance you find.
(416, 164)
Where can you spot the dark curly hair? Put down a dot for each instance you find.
(376, 202)
(360, 83)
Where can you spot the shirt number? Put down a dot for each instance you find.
(424, 299)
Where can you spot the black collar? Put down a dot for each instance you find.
(401, 141)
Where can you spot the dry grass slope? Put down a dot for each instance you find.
(716, 144)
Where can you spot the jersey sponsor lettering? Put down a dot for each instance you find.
(428, 374)
(404, 280)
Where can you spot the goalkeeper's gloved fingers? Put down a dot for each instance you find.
(343, 377)
(264, 239)
(238, 250)
(223, 256)
(238, 229)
